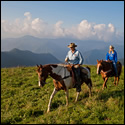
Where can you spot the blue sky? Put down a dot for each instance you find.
(70, 13)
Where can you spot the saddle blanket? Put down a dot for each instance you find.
(86, 71)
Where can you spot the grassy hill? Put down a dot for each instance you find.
(23, 102)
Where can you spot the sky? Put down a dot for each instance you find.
(97, 20)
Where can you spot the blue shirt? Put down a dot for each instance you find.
(112, 56)
(75, 58)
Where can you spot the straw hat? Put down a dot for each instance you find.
(72, 45)
(111, 47)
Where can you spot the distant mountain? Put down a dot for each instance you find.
(90, 49)
(90, 57)
(18, 57)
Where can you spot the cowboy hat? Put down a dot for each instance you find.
(72, 45)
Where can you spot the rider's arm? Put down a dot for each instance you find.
(107, 56)
(67, 57)
(80, 58)
(115, 56)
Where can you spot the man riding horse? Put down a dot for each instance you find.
(75, 57)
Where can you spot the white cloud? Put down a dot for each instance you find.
(37, 27)
(111, 27)
(28, 15)
(58, 30)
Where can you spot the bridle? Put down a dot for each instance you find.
(41, 77)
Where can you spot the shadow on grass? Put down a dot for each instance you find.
(56, 104)
(38, 113)
(106, 95)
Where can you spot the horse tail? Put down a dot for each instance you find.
(120, 67)
(90, 81)
(88, 68)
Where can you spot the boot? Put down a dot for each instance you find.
(78, 84)
(78, 79)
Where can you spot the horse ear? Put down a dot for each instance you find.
(102, 60)
(41, 66)
(97, 60)
(37, 65)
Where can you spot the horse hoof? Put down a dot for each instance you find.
(75, 101)
(66, 105)
(48, 111)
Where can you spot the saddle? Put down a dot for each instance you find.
(112, 63)
(112, 67)
(71, 70)
(84, 71)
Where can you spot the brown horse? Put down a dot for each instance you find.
(106, 69)
(62, 78)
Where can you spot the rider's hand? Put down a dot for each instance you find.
(66, 59)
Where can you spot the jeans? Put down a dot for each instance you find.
(78, 79)
(115, 67)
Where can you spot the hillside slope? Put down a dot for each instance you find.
(24, 102)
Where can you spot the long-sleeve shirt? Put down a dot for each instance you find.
(75, 58)
(112, 56)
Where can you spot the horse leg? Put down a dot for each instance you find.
(117, 80)
(50, 100)
(77, 95)
(114, 80)
(67, 97)
(104, 85)
(89, 84)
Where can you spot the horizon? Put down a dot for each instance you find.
(28, 36)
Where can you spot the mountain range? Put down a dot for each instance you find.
(90, 49)
(18, 57)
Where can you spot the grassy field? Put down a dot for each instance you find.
(23, 102)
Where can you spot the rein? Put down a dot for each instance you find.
(105, 72)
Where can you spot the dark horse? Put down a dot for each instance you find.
(63, 78)
(106, 69)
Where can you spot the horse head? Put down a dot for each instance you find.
(99, 66)
(42, 75)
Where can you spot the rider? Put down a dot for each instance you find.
(75, 57)
(112, 56)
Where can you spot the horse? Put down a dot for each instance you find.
(63, 79)
(105, 68)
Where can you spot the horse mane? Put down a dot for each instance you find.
(105, 62)
(46, 65)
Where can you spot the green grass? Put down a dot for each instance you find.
(23, 102)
